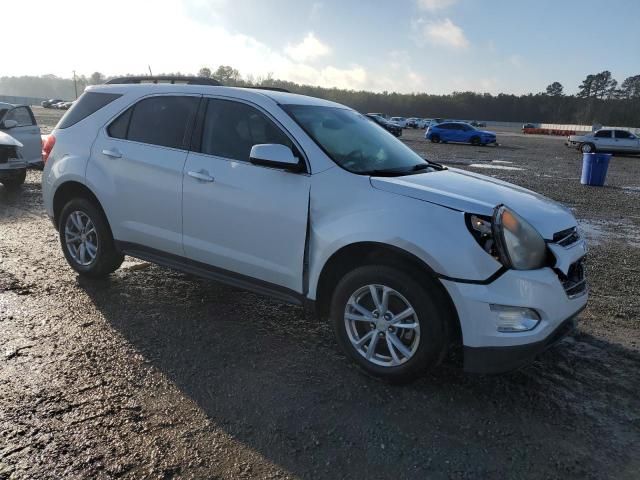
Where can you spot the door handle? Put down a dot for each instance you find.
(201, 175)
(112, 153)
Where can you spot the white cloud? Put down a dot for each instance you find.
(516, 60)
(433, 5)
(445, 32)
(309, 49)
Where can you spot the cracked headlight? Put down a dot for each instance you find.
(510, 239)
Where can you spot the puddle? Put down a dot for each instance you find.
(494, 167)
(598, 232)
(501, 161)
(631, 189)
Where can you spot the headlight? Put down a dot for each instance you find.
(510, 239)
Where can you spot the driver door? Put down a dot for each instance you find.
(26, 132)
(246, 221)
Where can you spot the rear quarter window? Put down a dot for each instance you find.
(87, 104)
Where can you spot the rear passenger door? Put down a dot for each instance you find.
(136, 170)
(249, 222)
(625, 141)
(26, 132)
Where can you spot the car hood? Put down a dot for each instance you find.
(479, 194)
(9, 141)
(486, 132)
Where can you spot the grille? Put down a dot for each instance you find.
(7, 153)
(575, 282)
(566, 237)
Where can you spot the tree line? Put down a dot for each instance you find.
(600, 99)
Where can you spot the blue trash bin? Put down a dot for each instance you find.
(594, 168)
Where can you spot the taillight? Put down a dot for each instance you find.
(47, 145)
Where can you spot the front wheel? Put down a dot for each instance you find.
(392, 326)
(435, 138)
(86, 239)
(588, 148)
(475, 141)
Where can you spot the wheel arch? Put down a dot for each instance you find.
(359, 254)
(73, 189)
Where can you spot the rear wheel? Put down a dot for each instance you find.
(588, 148)
(393, 327)
(86, 239)
(435, 138)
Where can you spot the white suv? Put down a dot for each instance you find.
(308, 201)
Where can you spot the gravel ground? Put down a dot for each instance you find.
(156, 374)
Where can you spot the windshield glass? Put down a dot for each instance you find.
(354, 142)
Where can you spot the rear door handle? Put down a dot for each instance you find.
(112, 153)
(201, 175)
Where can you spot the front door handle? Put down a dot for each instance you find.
(113, 153)
(201, 175)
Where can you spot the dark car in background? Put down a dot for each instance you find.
(394, 129)
(51, 102)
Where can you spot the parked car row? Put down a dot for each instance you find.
(56, 103)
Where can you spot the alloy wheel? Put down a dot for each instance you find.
(382, 325)
(81, 238)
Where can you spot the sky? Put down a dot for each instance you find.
(433, 46)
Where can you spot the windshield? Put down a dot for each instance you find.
(354, 142)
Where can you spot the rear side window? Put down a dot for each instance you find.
(231, 128)
(622, 134)
(165, 121)
(120, 126)
(87, 104)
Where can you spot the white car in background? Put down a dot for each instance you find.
(13, 168)
(19, 122)
(606, 140)
(400, 121)
(312, 203)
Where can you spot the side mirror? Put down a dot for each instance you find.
(9, 124)
(274, 155)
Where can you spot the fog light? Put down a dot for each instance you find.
(515, 319)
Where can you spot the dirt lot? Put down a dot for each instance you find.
(155, 374)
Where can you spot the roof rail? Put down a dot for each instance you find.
(272, 89)
(173, 79)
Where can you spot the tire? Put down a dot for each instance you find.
(435, 138)
(424, 345)
(15, 182)
(588, 148)
(475, 141)
(96, 262)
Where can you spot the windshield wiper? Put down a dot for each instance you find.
(396, 172)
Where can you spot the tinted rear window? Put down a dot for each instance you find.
(88, 103)
(163, 120)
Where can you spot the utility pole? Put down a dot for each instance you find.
(75, 85)
(150, 70)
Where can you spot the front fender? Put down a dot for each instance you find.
(345, 209)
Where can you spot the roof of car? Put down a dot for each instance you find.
(284, 98)
(6, 105)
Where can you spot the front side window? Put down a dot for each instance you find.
(603, 134)
(231, 129)
(22, 115)
(164, 121)
(353, 142)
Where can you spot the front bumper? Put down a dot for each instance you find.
(553, 293)
(490, 360)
